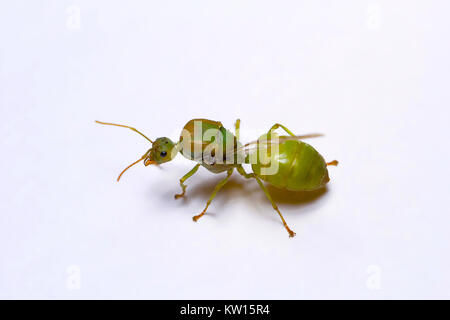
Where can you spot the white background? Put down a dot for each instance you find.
(371, 75)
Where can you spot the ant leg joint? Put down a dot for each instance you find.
(183, 179)
(183, 191)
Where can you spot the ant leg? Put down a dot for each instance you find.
(333, 163)
(275, 207)
(311, 135)
(237, 127)
(305, 136)
(216, 190)
(277, 125)
(241, 170)
(184, 178)
(243, 173)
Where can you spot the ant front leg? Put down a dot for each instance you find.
(216, 190)
(184, 178)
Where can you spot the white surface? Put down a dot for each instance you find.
(373, 76)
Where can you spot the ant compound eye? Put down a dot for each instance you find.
(163, 154)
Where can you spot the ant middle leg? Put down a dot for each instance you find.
(216, 190)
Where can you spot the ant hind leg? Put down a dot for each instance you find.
(277, 125)
(305, 136)
(266, 192)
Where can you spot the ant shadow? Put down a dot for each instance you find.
(295, 197)
(202, 191)
(238, 187)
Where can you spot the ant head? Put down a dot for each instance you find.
(162, 150)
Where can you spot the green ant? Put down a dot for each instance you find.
(299, 167)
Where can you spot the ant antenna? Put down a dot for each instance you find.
(147, 162)
(123, 126)
(118, 178)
